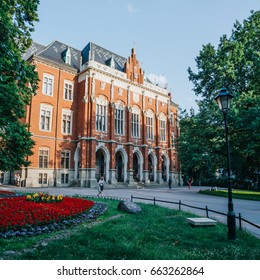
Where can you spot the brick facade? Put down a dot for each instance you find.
(96, 114)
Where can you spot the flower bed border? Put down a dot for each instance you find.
(99, 208)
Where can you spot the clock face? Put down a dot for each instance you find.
(136, 97)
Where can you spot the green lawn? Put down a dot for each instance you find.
(155, 234)
(250, 195)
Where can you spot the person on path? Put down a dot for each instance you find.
(18, 180)
(189, 183)
(170, 183)
(101, 185)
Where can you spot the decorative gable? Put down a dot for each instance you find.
(133, 70)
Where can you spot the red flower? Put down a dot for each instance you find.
(17, 212)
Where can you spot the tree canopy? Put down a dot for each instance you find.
(18, 81)
(234, 64)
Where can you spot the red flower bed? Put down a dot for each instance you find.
(16, 212)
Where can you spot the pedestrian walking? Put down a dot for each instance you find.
(18, 180)
(189, 183)
(101, 185)
(170, 183)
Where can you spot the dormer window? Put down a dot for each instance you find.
(67, 56)
(111, 62)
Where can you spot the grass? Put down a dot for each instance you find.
(156, 234)
(241, 194)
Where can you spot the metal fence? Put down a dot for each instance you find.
(206, 209)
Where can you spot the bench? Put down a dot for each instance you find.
(201, 222)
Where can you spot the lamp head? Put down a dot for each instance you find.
(224, 100)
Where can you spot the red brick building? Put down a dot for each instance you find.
(96, 114)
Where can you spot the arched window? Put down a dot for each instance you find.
(162, 125)
(101, 114)
(119, 118)
(150, 125)
(136, 122)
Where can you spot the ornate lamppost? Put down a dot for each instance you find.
(224, 101)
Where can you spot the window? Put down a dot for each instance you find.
(66, 121)
(101, 115)
(43, 178)
(1, 177)
(171, 119)
(119, 119)
(136, 123)
(44, 158)
(68, 56)
(149, 125)
(64, 178)
(68, 91)
(65, 159)
(48, 81)
(45, 117)
(172, 134)
(163, 130)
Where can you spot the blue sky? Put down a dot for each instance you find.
(167, 34)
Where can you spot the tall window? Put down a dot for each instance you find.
(136, 123)
(48, 81)
(43, 178)
(119, 119)
(68, 91)
(162, 123)
(68, 56)
(149, 125)
(172, 119)
(66, 121)
(45, 117)
(101, 115)
(172, 139)
(65, 159)
(64, 178)
(43, 158)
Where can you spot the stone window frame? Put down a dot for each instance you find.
(119, 117)
(135, 122)
(47, 86)
(45, 122)
(101, 114)
(67, 121)
(68, 93)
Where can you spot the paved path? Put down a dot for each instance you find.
(250, 210)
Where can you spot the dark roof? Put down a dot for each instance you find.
(55, 52)
(35, 48)
(103, 56)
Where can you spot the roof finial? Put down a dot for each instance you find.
(134, 48)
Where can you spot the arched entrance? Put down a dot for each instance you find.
(164, 169)
(119, 167)
(100, 164)
(136, 164)
(150, 168)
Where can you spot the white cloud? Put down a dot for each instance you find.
(131, 8)
(159, 80)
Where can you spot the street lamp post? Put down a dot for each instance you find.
(224, 101)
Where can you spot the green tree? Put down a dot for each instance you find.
(234, 64)
(18, 81)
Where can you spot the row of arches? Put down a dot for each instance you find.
(120, 171)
